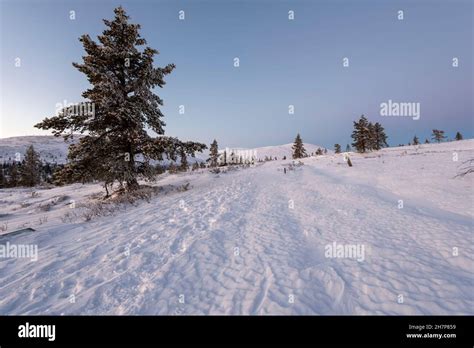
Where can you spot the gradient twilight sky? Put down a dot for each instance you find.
(282, 62)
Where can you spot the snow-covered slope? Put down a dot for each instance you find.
(254, 241)
(279, 151)
(51, 149)
(54, 149)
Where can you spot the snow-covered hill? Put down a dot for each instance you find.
(54, 149)
(51, 149)
(256, 241)
(279, 151)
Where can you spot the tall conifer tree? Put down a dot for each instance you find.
(116, 145)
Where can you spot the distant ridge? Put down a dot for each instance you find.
(54, 150)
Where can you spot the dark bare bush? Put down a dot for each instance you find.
(143, 193)
(59, 199)
(183, 188)
(88, 215)
(119, 200)
(54, 201)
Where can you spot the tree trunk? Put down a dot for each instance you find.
(106, 190)
(132, 184)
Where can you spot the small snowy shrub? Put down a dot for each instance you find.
(42, 220)
(184, 187)
(87, 215)
(68, 217)
(59, 199)
(45, 207)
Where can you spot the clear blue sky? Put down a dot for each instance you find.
(282, 62)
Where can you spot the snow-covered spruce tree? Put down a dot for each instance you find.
(458, 136)
(46, 173)
(348, 148)
(3, 180)
(30, 172)
(213, 154)
(159, 169)
(298, 148)
(427, 141)
(372, 137)
(184, 162)
(361, 135)
(116, 145)
(337, 148)
(172, 168)
(14, 177)
(415, 141)
(438, 135)
(380, 138)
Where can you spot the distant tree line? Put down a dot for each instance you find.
(368, 136)
(299, 150)
(217, 159)
(30, 171)
(437, 136)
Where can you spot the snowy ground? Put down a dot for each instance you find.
(253, 241)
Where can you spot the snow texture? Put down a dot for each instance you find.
(253, 241)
